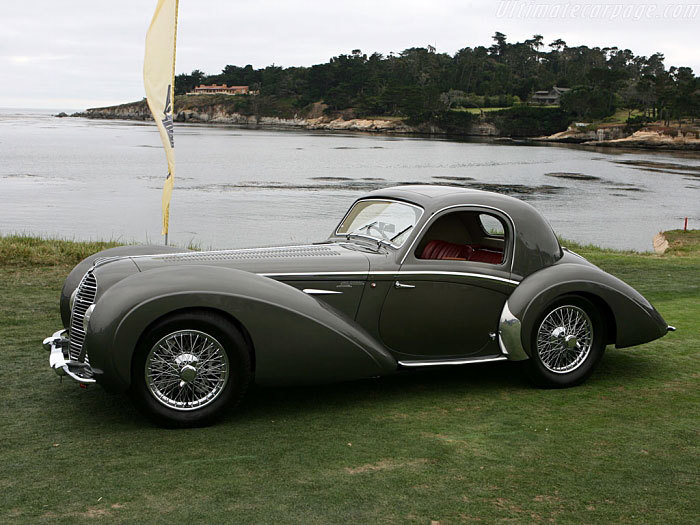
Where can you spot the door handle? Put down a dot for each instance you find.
(398, 285)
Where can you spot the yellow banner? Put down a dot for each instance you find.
(159, 81)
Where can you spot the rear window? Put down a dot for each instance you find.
(492, 226)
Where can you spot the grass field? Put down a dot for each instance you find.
(462, 445)
(478, 111)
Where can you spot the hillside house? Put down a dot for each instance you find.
(548, 98)
(219, 89)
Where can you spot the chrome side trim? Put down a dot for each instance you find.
(314, 291)
(670, 328)
(80, 372)
(445, 362)
(396, 273)
(310, 274)
(509, 336)
(457, 274)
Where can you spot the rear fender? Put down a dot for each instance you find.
(634, 320)
(296, 338)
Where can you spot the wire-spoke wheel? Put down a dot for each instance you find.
(189, 367)
(186, 369)
(564, 339)
(567, 342)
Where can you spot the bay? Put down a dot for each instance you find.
(239, 187)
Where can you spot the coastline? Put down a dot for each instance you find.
(651, 137)
(321, 123)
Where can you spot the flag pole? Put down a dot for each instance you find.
(159, 82)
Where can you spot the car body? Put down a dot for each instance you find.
(413, 276)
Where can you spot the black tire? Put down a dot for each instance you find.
(231, 355)
(556, 364)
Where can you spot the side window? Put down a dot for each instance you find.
(491, 225)
(465, 236)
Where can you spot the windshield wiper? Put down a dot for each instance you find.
(365, 227)
(401, 233)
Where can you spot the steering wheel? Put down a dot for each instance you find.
(379, 230)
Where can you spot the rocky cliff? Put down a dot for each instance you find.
(315, 117)
(222, 114)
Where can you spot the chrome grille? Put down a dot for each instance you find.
(87, 290)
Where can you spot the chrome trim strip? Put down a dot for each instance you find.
(314, 291)
(58, 361)
(483, 206)
(670, 328)
(444, 362)
(309, 274)
(396, 273)
(509, 336)
(457, 274)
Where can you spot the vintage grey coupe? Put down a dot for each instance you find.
(413, 276)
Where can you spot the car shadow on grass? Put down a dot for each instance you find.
(430, 386)
(422, 387)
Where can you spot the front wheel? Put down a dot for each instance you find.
(189, 368)
(568, 342)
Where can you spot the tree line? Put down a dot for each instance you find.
(423, 85)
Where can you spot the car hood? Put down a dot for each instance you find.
(274, 261)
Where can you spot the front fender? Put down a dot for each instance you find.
(296, 338)
(635, 320)
(73, 279)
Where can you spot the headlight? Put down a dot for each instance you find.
(86, 318)
(72, 299)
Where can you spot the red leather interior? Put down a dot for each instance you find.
(446, 250)
(487, 256)
(443, 250)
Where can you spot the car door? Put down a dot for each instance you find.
(449, 307)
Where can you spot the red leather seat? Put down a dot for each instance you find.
(441, 250)
(487, 256)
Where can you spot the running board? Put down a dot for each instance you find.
(444, 362)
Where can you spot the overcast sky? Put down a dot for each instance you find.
(73, 54)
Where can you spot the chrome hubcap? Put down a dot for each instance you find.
(186, 370)
(188, 373)
(564, 339)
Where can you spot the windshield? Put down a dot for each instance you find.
(382, 220)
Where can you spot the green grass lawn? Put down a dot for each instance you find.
(469, 444)
(478, 111)
(621, 115)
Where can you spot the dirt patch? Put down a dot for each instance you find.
(94, 512)
(571, 175)
(385, 464)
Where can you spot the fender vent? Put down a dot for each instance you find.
(253, 254)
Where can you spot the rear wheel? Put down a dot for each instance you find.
(189, 368)
(568, 342)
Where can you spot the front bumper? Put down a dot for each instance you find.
(57, 345)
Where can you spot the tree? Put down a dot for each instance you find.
(185, 83)
(588, 103)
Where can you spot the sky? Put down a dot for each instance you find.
(75, 54)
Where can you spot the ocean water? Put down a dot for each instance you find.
(238, 187)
